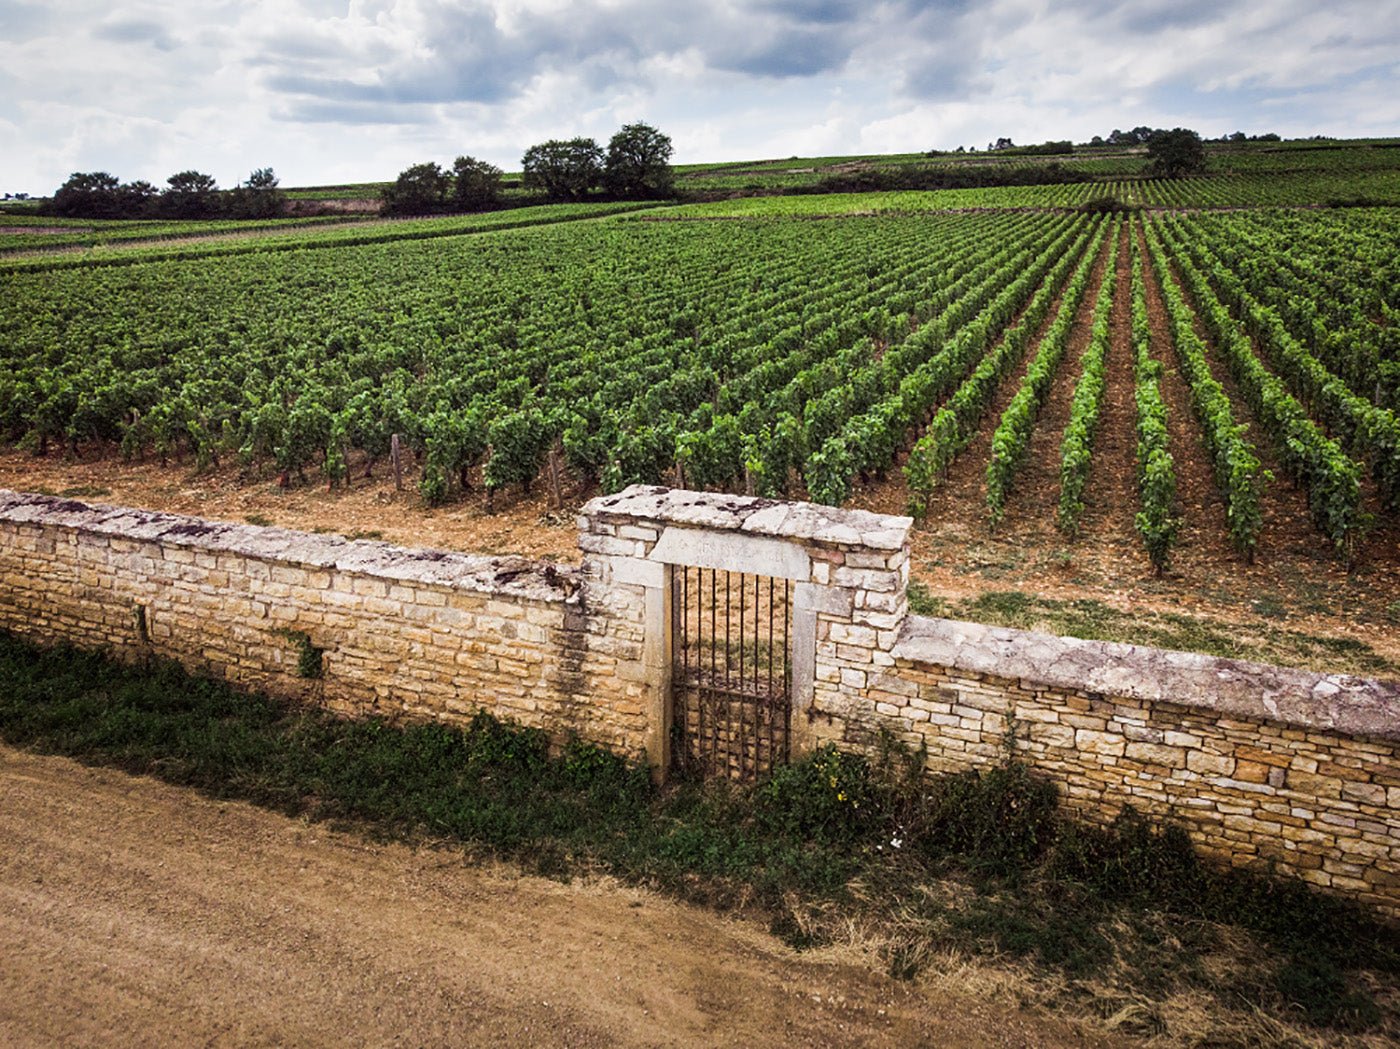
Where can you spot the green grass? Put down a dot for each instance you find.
(1092, 620)
(979, 863)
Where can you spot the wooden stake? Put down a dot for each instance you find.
(554, 482)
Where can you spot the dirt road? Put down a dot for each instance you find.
(135, 913)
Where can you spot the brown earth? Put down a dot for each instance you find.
(136, 913)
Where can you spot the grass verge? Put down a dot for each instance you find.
(1118, 924)
(1093, 620)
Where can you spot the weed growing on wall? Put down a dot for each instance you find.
(978, 863)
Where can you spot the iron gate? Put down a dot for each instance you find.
(731, 678)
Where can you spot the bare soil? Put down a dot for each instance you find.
(135, 913)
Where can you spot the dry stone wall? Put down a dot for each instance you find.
(1260, 764)
(419, 634)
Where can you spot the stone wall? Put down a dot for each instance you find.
(1259, 763)
(416, 634)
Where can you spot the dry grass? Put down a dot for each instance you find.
(1209, 986)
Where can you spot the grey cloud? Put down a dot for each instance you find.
(821, 12)
(20, 22)
(135, 31)
(796, 53)
(1147, 17)
(344, 113)
(468, 58)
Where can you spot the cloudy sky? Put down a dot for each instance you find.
(328, 91)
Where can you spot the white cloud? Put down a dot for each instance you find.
(332, 91)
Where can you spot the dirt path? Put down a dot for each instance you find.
(135, 913)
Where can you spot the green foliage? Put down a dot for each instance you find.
(476, 184)
(1176, 153)
(565, 170)
(1040, 279)
(419, 190)
(1012, 437)
(189, 195)
(257, 198)
(310, 659)
(820, 799)
(1237, 470)
(1319, 464)
(1156, 469)
(1077, 445)
(519, 442)
(638, 163)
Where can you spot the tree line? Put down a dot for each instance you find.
(635, 166)
(187, 195)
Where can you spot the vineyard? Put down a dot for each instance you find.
(1074, 353)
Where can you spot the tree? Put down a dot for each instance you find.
(476, 185)
(1176, 153)
(639, 163)
(566, 170)
(419, 190)
(190, 195)
(136, 199)
(87, 194)
(257, 198)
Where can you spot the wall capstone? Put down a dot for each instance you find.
(1337, 702)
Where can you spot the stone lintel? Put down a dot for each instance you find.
(1226, 687)
(731, 552)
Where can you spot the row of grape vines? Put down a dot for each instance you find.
(779, 355)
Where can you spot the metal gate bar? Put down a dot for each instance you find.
(730, 679)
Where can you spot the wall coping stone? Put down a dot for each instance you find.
(517, 576)
(1237, 688)
(809, 522)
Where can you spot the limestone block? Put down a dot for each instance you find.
(1244, 786)
(827, 600)
(1104, 744)
(1251, 771)
(866, 579)
(844, 633)
(1051, 735)
(894, 684)
(1314, 786)
(1368, 793)
(1088, 723)
(891, 602)
(853, 654)
(1262, 757)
